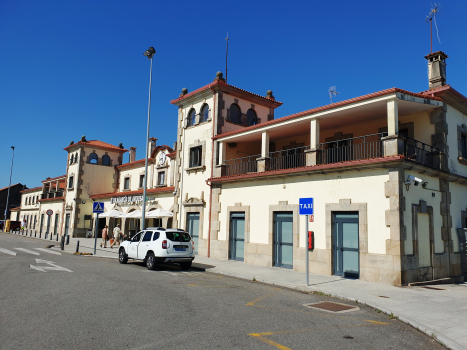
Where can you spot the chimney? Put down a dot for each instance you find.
(132, 154)
(152, 146)
(436, 69)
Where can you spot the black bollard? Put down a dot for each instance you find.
(62, 243)
(77, 246)
(35, 234)
(67, 240)
(57, 237)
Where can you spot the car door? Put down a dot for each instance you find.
(133, 246)
(144, 245)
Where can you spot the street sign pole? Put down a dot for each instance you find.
(307, 250)
(95, 233)
(97, 208)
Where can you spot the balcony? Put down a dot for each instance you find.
(48, 195)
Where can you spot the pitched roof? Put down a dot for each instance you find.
(442, 90)
(4, 188)
(158, 148)
(54, 178)
(134, 163)
(148, 191)
(325, 107)
(31, 189)
(98, 144)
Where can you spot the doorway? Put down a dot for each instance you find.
(346, 245)
(192, 227)
(67, 224)
(237, 236)
(283, 239)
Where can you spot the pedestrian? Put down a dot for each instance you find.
(23, 225)
(117, 233)
(105, 236)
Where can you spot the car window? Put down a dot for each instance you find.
(156, 236)
(147, 236)
(136, 237)
(178, 236)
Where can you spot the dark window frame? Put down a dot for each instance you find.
(191, 120)
(196, 154)
(238, 116)
(205, 112)
(251, 117)
(105, 160)
(126, 183)
(141, 181)
(71, 180)
(93, 157)
(159, 175)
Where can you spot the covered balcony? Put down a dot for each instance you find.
(395, 123)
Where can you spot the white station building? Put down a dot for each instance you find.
(387, 172)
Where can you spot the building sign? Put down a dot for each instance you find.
(306, 206)
(126, 199)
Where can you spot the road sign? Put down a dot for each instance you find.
(98, 207)
(49, 212)
(305, 206)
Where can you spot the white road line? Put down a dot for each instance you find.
(6, 251)
(48, 251)
(27, 251)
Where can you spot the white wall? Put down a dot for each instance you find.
(455, 118)
(458, 204)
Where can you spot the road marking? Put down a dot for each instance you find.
(376, 322)
(27, 251)
(252, 303)
(268, 341)
(6, 251)
(48, 251)
(52, 267)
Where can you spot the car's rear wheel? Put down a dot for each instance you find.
(151, 261)
(122, 257)
(185, 265)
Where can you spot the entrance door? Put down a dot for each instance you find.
(192, 227)
(237, 236)
(345, 245)
(283, 239)
(67, 224)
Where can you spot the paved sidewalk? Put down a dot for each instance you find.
(438, 313)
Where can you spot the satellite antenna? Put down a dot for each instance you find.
(226, 55)
(332, 92)
(431, 16)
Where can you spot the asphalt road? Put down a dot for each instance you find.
(98, 303)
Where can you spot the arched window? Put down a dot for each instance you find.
(105, 160)
(251, 117)
(93, 158)
(191, 118)
(205, 113)
(235, 113)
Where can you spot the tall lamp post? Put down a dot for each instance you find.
(11, 173)
(149, 53)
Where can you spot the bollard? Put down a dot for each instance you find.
(40, 234)
(57, 237)
(67, 240)
(35, 234)
(62, 243)
(77, 246)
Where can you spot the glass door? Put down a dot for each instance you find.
(283, 239)
(346, 245)
(192, 227)
(237, 236)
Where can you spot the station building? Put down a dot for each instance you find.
(387, 172)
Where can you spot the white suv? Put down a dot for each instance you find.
(156, 245)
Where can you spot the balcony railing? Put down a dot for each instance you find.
(47, 195)
(287, 159)
(243, 165)
(421, 153)
(356, 148)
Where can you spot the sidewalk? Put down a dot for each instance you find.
(439, 311)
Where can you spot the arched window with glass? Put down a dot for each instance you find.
(93, 158)
(105, 160)
(235, 113)
(251, 118)
(205, 113)
(191, 118)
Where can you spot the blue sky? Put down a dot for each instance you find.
(72, 68)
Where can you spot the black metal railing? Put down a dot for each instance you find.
(420, 152)
(287, 159)
(356, 148)
(242, 165)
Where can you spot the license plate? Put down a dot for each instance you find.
(180, 249)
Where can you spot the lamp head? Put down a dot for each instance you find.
(149, 53)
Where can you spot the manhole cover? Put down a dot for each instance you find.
(434, 288)
(332, 307)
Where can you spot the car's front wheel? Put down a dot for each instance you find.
(151, 261)
(122, 257)
(185, 265)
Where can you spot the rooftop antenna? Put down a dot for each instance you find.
(430, 17)
(226, 55)
(332, 92)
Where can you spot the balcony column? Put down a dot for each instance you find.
(312, 154)
(220, 168)
(393, 145)
(263, 162)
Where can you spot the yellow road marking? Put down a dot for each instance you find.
(376, 322)
(268, 341)
(252, 303)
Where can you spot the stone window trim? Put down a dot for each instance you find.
(195, 205)
(99, 160)
(461, 131)
(129, 182)
(71, 180)
(165, 179)
(201, 114)
(202, 167)
(238, 208)
(141, 181)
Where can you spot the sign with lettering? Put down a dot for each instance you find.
(305, 206)
(127, 199)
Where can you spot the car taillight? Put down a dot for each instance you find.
(193, 243)
(164, 244)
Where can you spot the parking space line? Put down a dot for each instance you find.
(268, 341)
(48, 251)
(376, 322)
(27, 251)
(252, 303)
(6, 251)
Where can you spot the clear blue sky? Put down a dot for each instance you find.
(72, 68)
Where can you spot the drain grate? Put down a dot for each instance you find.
(332, 307)
(434, 288)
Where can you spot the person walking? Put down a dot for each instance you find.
(105, 236)
(117, 232)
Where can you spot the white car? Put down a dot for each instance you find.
(156, 245)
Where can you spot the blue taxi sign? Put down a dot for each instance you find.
(305, 206)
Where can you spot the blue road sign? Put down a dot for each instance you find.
(98, 207)
(305, 206)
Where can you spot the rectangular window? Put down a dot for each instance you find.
(26, 201)
(464, 146)
(70, 182)
(161, 178)
(37, 198)
(126, 183)
(195, 156)
(141, 181)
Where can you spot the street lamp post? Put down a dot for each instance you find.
(149, 53)
(9, 185)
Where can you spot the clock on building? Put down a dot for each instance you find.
(162, 158)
